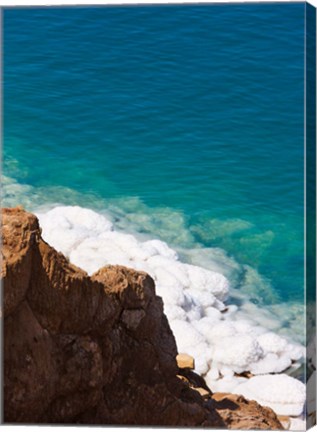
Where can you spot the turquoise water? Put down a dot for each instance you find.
(194, 111)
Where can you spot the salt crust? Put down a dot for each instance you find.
(297, 424)
(222, 343)
(284, 394)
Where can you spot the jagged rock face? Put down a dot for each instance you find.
(90, 350)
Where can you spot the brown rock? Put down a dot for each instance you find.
(20, 231)
(203, 393)
(30, 374)
(240, 413)
(182, 378)
(95, 350)
(185, 361)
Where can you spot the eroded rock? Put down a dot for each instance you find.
(93, 350)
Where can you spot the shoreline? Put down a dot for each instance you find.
(234, 310)
(54, 297)
(224, 343)
(131, 216)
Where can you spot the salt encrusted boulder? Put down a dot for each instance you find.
(284, 394)
(64, 226)
(93, 350)
(237, 351)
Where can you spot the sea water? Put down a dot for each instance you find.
(179, 123)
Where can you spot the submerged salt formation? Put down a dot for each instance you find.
(96, 350)
(196, 302)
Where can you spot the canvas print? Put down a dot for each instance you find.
(158, 215)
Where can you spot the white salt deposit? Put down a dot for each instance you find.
(270, 363)
(284, 394)
(227, 383)
(223, 338)
(237, 352)
(297, 424)
(271, 342)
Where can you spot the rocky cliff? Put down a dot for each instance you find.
(96, 350)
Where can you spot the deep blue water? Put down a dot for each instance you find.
(194, 108)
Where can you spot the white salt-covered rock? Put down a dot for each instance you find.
(272, 343)
(212, 312)
(225, 385)
(165, 276)
(93, 253)
(128, 244)
(217, 260)
(174, 312)
(160, 264)
(271, 363)
(243, 326)
(212, 375)
(226, 371)
(284, 394)
(219, 331)
(237, 352)
(205, 325)
(66, 227)
(202, 279)
(204, 298)
(297, 424)
(194, 313)
(295, 351)
(158, 247)
(172, 295)
(186, 335)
